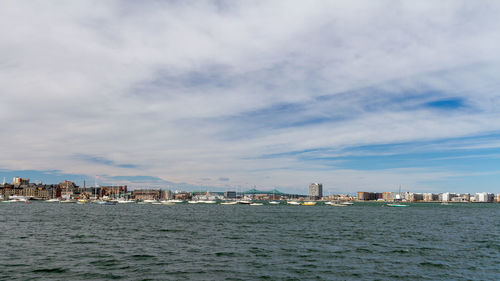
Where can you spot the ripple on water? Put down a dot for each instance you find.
(191, 242)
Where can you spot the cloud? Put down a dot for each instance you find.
(102, 161)
(186, 91)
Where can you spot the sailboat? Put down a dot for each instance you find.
(398, 197)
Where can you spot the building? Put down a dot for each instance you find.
(429, 197)
(230, 194)
(167, 194)
(315, 190)
(446, 197)
(369, 195)
(485, 197)
(114, 191)
(17, 181)
(67, 189)
(146, 194)
(413, 197)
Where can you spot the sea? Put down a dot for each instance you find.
(366, 241)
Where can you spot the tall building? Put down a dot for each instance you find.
(485, 197)
(316, 190)
(17, 181)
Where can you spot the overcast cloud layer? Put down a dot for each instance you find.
(359, 95)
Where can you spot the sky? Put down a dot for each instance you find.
(220, 95)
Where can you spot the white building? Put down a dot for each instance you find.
(485, 197)
(316, 190)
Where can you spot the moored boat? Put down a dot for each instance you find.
(308, 203)
(347, 203)
(398, 205)
(229, 203)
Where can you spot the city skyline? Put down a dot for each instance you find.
(354, 95)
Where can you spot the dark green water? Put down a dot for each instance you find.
(47, 241)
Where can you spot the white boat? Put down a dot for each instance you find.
(347, 203)
(334, 204)
(229, 203)
(53, 200)
(166, 202)
(18, 198)
(193, 202)
(208, 201)
(122, 200)
(175, 201)
(103, 202)
(256, 204)
(274, 202)
(67, 201)
(244, 202)
(294, 203)
(149, 201)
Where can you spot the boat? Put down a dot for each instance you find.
(67, 201)
(398, 205)
(207, 201)
(122, 200)
(229, 203)
(166, 202)
(18, 198)
(347, 203)
(308, 203)
(245, 202)
(336, 204)
(294, 203)
(256, 204)
(125, 201)
(193, 202)
(53, 200)
(102, 202)
(274, 202)
(149, 201)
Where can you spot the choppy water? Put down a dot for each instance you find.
(47, 241)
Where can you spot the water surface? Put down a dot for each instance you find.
(50, 241)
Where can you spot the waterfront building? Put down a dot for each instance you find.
(166, 194)
(484, 197)
(113, 191)
(17, 181)
(146, 194)
(446, 197)
(369, 195)
(429, 197)
(230, 194)
(498, 198)
(315, 190)
(183, 195)
(412, 197)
